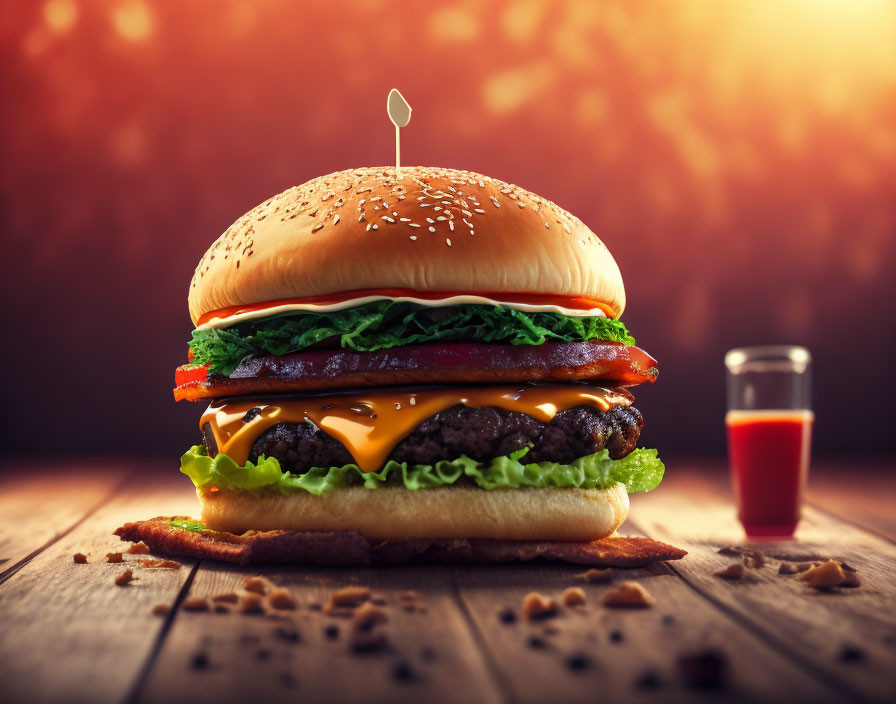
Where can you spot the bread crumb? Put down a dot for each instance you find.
(280, 598)
(367, 616)
(161, 610)
(196, 603)
(346, 597)
(140, 548)
(251, 604)
(364, 634)
(125, 578)
(226, 598)
(537, 606)
(754, 559)
(573, 596)
(732, 572)
(80, 558)
(114, 557)
(627, 594)
(787, 568)
(258, 584)
(162, 564)
(604, 574)
(825, 576)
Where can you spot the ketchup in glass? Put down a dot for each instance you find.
(769, 456)
(769, 424)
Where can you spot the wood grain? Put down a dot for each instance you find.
(817, 629)
(864, 495)
(40, 503)
(69, 632)
(627, 649)
(247, 660)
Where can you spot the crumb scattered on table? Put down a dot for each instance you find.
(604, 574)
(80, 558)
(733, 572)
(536, 606)
(125, 578)
(627, 595)
(573, 596)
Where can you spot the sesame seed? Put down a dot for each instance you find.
(368, 228)
(467, 213)
(441, 218)
(413, 237)
(567, 228)
(413, 224)
(317, 227)
(362, 217)
(451, 224)
(478, 210)
(412, 401)
(375, 227)
(472, 231)
(547, 224)
(432, 229)
(421, 197)
(468, 223)
(430, 221)
(496, 203)
(395, 214)
(404, 219)
(448, 241)
(336, 218)
(425, 205)
(438, 207)
(521, 204)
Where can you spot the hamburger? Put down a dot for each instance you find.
(435, 355)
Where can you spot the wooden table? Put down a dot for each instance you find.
(69, 634)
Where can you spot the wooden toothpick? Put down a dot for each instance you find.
(400, 113)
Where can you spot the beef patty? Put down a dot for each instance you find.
(479, 433)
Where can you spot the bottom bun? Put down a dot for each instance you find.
(565, 514)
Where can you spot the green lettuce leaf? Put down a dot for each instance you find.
(641, 470)
(382, 324)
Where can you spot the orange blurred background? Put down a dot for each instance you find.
(738, 158)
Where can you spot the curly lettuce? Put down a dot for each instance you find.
(641, 470)
(382, 324)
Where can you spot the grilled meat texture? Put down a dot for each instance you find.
(479, 433)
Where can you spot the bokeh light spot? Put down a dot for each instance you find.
(60, 15)
(133, 21)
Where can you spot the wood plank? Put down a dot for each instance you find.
(39, 504)
(69, 633)
(247, 660)
(633, 654)
(862, 492)
(816, 629)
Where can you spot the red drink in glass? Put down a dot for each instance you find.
(769, 456)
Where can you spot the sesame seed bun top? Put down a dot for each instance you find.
(432, 229)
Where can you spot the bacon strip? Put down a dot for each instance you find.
(456, 363)
(344, 548)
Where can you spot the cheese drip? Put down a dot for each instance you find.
(370, 425)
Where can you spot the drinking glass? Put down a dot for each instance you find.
(769, 423)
